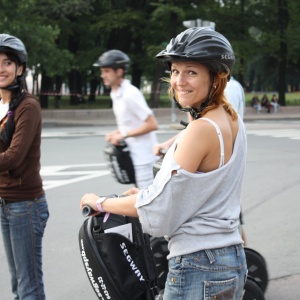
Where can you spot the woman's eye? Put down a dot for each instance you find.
(174, 72)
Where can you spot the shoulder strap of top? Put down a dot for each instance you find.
(220, 139)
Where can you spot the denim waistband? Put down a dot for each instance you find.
(4, 202)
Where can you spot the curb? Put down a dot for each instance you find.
(105, 117)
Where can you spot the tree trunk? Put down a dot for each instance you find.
(58, 85)
(93, 89)
(283, 19)
(75, 86)
(159, 68)
(46, 89)
(156, 84)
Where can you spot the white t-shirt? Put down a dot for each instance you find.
(131, 111)
(234, 93)
(3, 109)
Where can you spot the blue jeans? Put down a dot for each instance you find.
(208, 274)
(23, 224)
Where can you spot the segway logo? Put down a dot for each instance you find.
(131, 262)
(90, 274)
(227, 56)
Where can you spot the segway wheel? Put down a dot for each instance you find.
(257, 268)
(252, 290)
(160, 251)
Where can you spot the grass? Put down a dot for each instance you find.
(102, 102)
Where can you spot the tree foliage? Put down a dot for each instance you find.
(64, 38)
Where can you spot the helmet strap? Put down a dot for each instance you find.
(13, 86)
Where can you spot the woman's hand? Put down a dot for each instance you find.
(90, 200)
(132, 191)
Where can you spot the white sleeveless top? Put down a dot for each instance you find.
(3, 109)
(195, 211)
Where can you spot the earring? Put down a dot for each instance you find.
(215, 87)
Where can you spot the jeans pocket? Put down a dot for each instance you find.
(43, 218)
(221, 290)
(42, 214)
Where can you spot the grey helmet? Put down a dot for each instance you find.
(9, 43)
(113, 59)
(12, 45)
(200, 44)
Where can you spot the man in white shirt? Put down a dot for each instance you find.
(235, 94)
(135, 120)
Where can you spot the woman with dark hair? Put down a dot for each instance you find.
(23, 206)
(194, 201)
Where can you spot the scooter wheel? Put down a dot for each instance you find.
(160, 251)
(257, 268)
(252, 290)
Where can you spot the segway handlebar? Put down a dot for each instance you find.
(87, 210)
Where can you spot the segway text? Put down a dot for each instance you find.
(131, 262)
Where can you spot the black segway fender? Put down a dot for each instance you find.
(160, 251)
(252, 290)
(257, 268)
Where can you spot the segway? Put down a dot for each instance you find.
(117, 257)
(252, 290)
(119, 162)
(257, 268)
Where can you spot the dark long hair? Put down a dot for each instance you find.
(18, 93)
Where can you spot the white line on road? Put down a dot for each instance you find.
(66, 170)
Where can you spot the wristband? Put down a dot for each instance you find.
(98, 203)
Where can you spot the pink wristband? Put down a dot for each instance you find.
(99, 203)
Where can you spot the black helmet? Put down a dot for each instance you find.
(201, 44)
(113, 59)
(9, 43)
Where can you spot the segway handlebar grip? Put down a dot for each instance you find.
(87, 211)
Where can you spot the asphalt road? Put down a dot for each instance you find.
(73, 164)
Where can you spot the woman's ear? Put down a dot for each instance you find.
(20, 70)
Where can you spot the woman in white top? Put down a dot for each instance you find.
(194, 200)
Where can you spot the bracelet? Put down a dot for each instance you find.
(98, 203)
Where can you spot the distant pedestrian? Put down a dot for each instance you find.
(266, 103)
(23, 206)
(135, 120)
(274, 103)
(255, 103)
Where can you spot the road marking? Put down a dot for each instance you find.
(72, 175)
(292, 134)
(74, 133)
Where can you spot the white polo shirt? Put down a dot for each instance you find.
(235, 94)
(131, 110)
